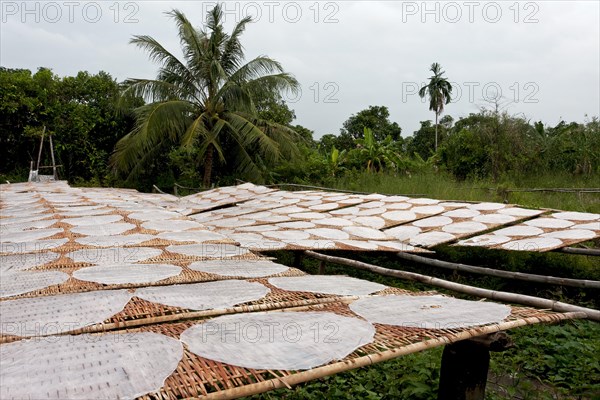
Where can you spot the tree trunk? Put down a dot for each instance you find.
(208, 164)
(436, 130)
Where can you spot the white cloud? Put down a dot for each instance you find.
(365, 58)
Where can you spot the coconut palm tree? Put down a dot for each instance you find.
(439, 91)
(206, 101)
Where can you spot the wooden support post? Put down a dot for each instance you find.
(298, 259)
(322, 268)
(465, 366)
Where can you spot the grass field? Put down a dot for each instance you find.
(441, 186)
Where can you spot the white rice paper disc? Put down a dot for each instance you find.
(400, 216)
(461, 213)
(398, 206)
(325, 207)
(393, 245)
(577, 216)
(114, 255)
(465, 227)
(552, 223)
(19, 262)
(429, 312)
(29, 236)
(215, 251)
(308, 215)
(30, 247)
(423, 201)
(296, 225)
(76, 212)
(371, 211)
(61, 313)
(404, 232)
(288, 210)
(485, 240)
(278, 340)
(245, 269)
(519, 212)
(432, 238)
(206, 295)
(192, 236)
(519, 230)
(365, 232)
(115, 228)
(20, 212)
(330, 284)
(333, 221)
(287, 235)
(256, 241)
(24, 226)
(154, 215)
(395, 199)
(114, 240)
(258, 228)
(118, 274)
(594, 226)
(171, 225)
(350, 201)
(495, 219)
(230, 222)
(28, 281)
(486, 206)
(372, 222)
(571, 234)
(93, 220)
(428, 210)
(108, 366)
(5, 221)
(533, 244)
(328, 233)
(433, 222)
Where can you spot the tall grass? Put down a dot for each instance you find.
(442, 186)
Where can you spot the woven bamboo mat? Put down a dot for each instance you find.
(196, 376)
(187, 275)
(139, 312)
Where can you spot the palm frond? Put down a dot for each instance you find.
(156, 123)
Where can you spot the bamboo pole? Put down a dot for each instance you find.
(457, 287)
(581, 283)
(297, 305)
(54, 174)
(41, 146)
(581, 251)
(331, 369)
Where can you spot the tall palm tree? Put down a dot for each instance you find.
(207, 101)
(439, 91)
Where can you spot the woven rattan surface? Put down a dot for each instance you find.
(196, 376)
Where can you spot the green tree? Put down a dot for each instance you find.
(439, 91)
(376, 155)
(376, 118)
(207, 102)
(78, 111)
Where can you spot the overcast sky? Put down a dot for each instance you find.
(544, 56)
